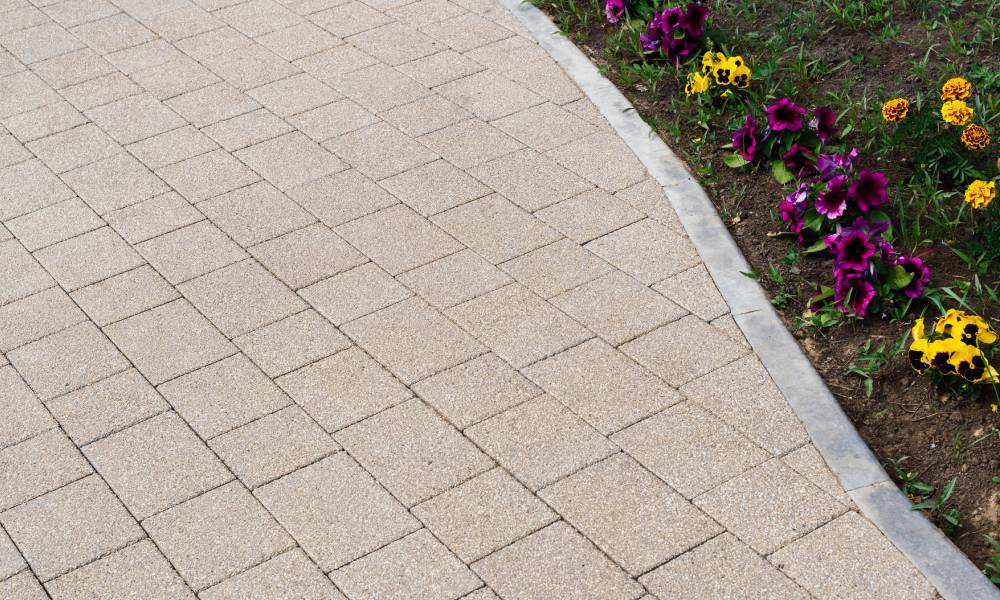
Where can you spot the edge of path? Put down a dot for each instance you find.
(833, 434)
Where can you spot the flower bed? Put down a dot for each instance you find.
(847, 146)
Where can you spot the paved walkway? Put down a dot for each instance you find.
(322, 299)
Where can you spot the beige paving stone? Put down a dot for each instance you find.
(648, 251)
(134, 572)
(684, 350)
(42, 122)
(298, 41)
(722, 567)
(330, 64)
(191, 251)
(12, 151)
(113, 33)
(11, 561)
(556, 563)
(290, 160)
(454, 279)
(336, 511)
(102, 90)
(74, 12)
(378, 87)
(496, 228)
(488, 95)
(332, 120)
(296, 94)
(71, 526)
(54, 224)
(343, 389)
(23, 586)
(241, 297)
(529, 179)
(425, 115)
(35, 317)
(439, 68)
(136, 58)
(171, 147)
(380, 151)
(153, 217)
(342, 197)
(545, 126)
(20, 273)
(67, 360)
(743, 395)
(255, 213)
(250, 66)
(484, 514)
(288, 576)
(589, 215)
(519, 326)
(849, 558)
(247, 129)
(648, 197)
(417, 566)
(629, 513)
(114, 183)
(483, 593)
(175, 78)
(212, 104)
(74, 148)
(350, 18)
(124, 295)
(540, 441)
(547, 79)
(470, 143)
(258, 17)
(22, 92)
(555, 268)
(355, 293)
(38, 43)
(25, 416)
(383, 43)
(727, 325)
(28, 186)
(602, 158)
(23, 476)
(208, 175)
(694, 290)
(413, 452)
(465, 32)
(169, 341)
(182, 22)
(425, 11)
(307, 255)
(808, 462)
(398, 239)
(215, 42)
(689, 449)
(135, 118)
(156, 464)
(291, 343)
(107, 406)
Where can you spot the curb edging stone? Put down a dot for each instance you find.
(831, 432)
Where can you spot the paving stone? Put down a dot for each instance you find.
(333, 119)
(306, 256)
(39, 43)
(23, 476)
(11, 560)
(113, 33)
(355, 293)
(107, 406)
(454, 279)
(150, 54)
(70, 526)
(255, 213)
(380, 151)
(684, 350)
(722, 567)
(247, 129)
(808, 462)
(496, 228)
(648, 251)
(25, 416)
(169, 340)
(35, 317)
(648, 197)
(136, 572)
(67, 360)
(20, 273)
(488, 95)
(350, 18)
(190, 251)
(135, 118)
(342, 197)
(378, 87)
(689, 449)
(529, 179)
(102, 90)
(425, 115)
(74, 148)
(183, 22)
(23, 586)
(208, 175)
(293, 95)
(12, 151)
(212, 104)
(540, 441)
(330, 64)
(54, 224)
(439, 68)
(175, 78)
(425, 11)
(153, 217)
(250, 66)
(73, 67)
(171, 147)
(547, 79)
(694, 290)
(336, 511)
(417, 566)
(124, 295)
(257, 17)
(743, 395)
(603, 159)
(434, 187)
(114, 183)
(555, 563)
(42, 122)
(24, 91)
(383, 43)
(617, 307)
(484, 514)
(215, 42)
(288, 576)
(398, 239)
(555, 268)
(470, 143)
(545, 126)
(298, 41)
(28, 186)
(465, 32)
(343, 389)
(483, 593)
(291, 343)
(589, 215)
(88, 258)
(290, 160)
(849, 558)
(156, 464)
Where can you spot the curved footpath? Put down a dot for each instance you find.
(335, 299)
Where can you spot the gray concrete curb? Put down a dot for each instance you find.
(954, 576)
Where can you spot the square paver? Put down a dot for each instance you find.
(247, 129)
(54, 224)
(470, 143)
(383, 43)
(88, 258)
(556, 563)
(223, 396)
(355, 293)
(349, 18)
(496, 228)
(529, 179)
(589, 215)
(156, 464)
(540, 441)
(296, 94)
(171, 147)
(174, 78)
(684, 350)
(442, 67)
(378, 87)
(809, 463)
(191, 251)
(380, 150)
(413, 340)
(208, 175)
(343, 389)
(212, 104)
(413, 452)
(298, 41)
(602, 158)
(71, 526)
(425, 115)
(136, 570)
(107, 406)
(545, 126)
(484, 514)
(20, 273)
(32, 318)
(417, 567)
(648, 251)
(398, 239)
(305, 256)
(67, 360)
(629, 513)
(11, 560)
(694, 290)
(770, 506)
(135, 118)
(113, 33)
(124, 295)
(23, 91)
(290, 160)
(250, 66)
(336, 511)
(241, 297)
(519, 326)
(289, 576)
(342, 197)
(547, 79)
(23, 586)
(454, 279)
(288, 344)
(102, 90)
(648, 196)
(489, 95)
(466, 31)
(23, 476)
(330, 64)
(151, 218)
(255, 213)
(602, 385)
(36, 44)
(114, 183)
(25, 414)
(332, 120)
(143, 56)
(722, 567)
(169, 340)
(212, 43)
(28, 186)
(74, 148)
(555, 268)
(434, 187)
(690, 449)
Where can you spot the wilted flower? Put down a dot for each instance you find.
(785, 115)
(832, 202)
(852, 293)
(956, 88)
(894, 111)
(745, 139)
(975, 137)
(800, 162)
(980, 193)
(615, 10)
(956, 112)
(824, 123)
(869, 190)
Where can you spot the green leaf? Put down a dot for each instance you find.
(900, 277)
(948, 489)
(817, 246)
(781, 173)
(813, 220)
(735, 161)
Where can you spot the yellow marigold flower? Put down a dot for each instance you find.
(742, 76)
(980, 193)
(895, 110)
(956, 88)
(956, 112)
(710, 59)
(696, 84)
(975, 137)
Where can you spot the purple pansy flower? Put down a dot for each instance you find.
(793, 208)
(824, 123)
(693, 20)
(851, 248)
(800, 162)
(675, 32)
(832, 202)
(745, 139)
(852, 293)
(615, 10)
(921, 275)
(833, 164)
(869, 190)
(785, 115)
(654, 33)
